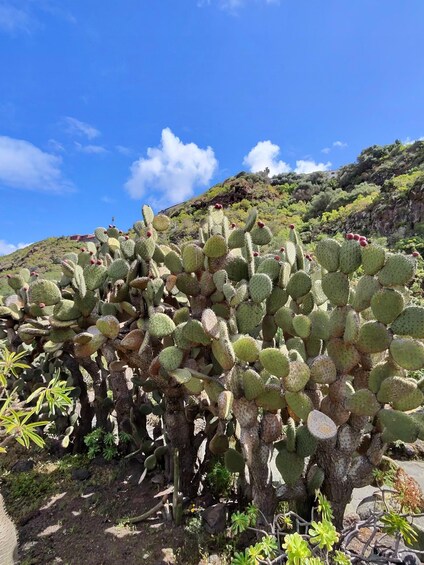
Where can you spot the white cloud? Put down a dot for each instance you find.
(56, 146)
(306, 166)
(76, 127)
(6, 248)
(91, 149)
(25, 166)
(341, 144)
(338, 144)
(124, 150)
(171, 171)
(232, 5)
(264, 155)
(13, 19)
(107, 200)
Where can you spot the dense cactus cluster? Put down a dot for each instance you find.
(264, 356)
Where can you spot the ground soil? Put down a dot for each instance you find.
(65, 521)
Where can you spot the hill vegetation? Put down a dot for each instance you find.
(380, 196)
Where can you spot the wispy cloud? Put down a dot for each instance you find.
(107, 200)
(25, 166)
(14, 19)
(232, 6)
(170, 172)
(338, 144)
(306, 166)
(56, 146)
(265, 156)
(77, 127)
(91, 149)
(127, 151)
(6, 248)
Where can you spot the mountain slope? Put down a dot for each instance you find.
(380, 195)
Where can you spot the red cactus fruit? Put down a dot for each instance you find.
(349, 236)
(261, 224)
(363, 243)
(291, 226)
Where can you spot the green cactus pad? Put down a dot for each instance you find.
(403, 394)
(276, 300)
(290, 465)
(299, 284)
(128, 248)
(320, 328)
(398, 270)
(109, 326)
(363, 403)
(344, 355)
(299, 403)
(302, 326)
(260, 287)
(246, 349)
(145, 247)
(236, 238)
(271, 400)
(353, 323)
(306, 443)
(336, 288)
(215, 247)
(379, 373)
(173, 262)
(284, 319)
(400, 425)
(373, 258)
(365, 289)
(193, 258)
(323, 370)
(274, 361)
(65, 311)
(271, 267)
(161, 325)
(299, 374)
(43, 291)
(171, 358)
(236, 268)
(234, 461)
(95, 276)
(118, 269)
(350, 256)
(248, 316)
(327, 253)
(219, 444)
(224, 353)
(373, 338)
(188, 284)
(408, 353)
(253, 385)
(161, 222)
(410, 322)
(101, 235)
(387, 304)
(194, 332)
(261, 236)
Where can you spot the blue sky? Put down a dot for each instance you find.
(105, 105)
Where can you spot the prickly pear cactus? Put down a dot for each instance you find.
(8, 537)
(278, 354)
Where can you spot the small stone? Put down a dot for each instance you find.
(215, 518)
(23, 466)
(81, 474)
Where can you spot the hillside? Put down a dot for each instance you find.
(380, 195)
